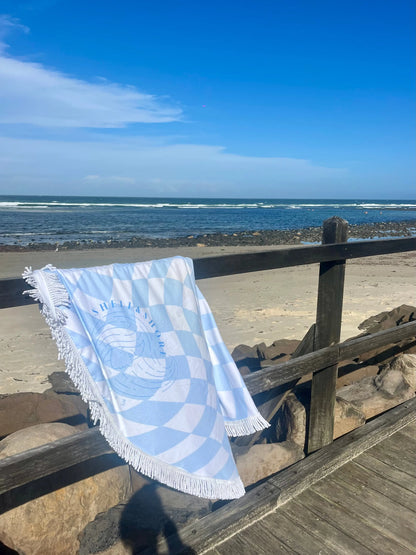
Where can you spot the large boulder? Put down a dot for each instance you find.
(49, 524)
(151, 513)
(383, 321)
(21, 410)
(394, 384)
(250, 359)
(291, 421)
(262, 460)
(347, 417)
(389, 319)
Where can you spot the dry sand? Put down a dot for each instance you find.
(249, 308)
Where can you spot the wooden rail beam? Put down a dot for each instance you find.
(11, 289)
(41, 461)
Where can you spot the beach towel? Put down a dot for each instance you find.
(141, 344)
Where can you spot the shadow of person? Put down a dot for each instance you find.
(144, 521)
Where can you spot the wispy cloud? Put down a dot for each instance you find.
(7, 25)
(130, 168)
(34, 94)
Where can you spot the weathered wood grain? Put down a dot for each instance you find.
(347, 516)
(292, 369)
(377, 504)
(328, 331)
(293, 534)
(263, 540)
(386, 471)
(237, 515)
(284, 258)
(372, 480)
(41, 461)
(398, 457)
(338, 532)
(409, 432)
(367, 508)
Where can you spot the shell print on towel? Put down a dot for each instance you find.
(141, 344)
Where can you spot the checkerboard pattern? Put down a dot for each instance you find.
(157, 371)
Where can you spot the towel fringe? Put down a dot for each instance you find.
(52, 294)
(246, 426)
(209, 488)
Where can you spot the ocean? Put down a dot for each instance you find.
(56, 219)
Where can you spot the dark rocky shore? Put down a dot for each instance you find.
(242, 238)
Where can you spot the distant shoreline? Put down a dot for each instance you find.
(242, 238)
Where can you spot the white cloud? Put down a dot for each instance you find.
(123, 167)
(31, 93)
(7, 25)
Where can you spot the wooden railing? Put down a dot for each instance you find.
(18, 470)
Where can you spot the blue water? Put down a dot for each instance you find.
(28, 219)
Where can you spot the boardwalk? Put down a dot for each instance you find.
(366, 506)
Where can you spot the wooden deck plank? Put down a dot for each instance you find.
(354, 535)
(295, 537)
(387, 471)
(402, 444)
(408, 431)
(266, 539)
(326, 532)
(367, 511)
(237, 515)
(254, 543)
(371, 480)
(396, 456)
(378, 501)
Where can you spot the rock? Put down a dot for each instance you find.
(117, 549)
(151, 511)
(20, 410)
(246, 359)
(251, 359)
(49, 524)
(388, 319)
(347, 417)
(278, 351)
(393, 385)
(383, 321)
(291, 422)
(138, 480)
(262, 460)
(62, 383)
(102, 533)
(399, 370)
(291, 419)
(351, 372)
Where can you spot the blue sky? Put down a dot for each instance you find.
(234, 99)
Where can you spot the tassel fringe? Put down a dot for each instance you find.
(209, 488)
(246, 426)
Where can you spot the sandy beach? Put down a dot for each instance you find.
(249, 308)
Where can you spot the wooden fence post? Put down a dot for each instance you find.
(328, 331)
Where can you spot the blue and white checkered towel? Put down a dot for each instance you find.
(142, 346)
